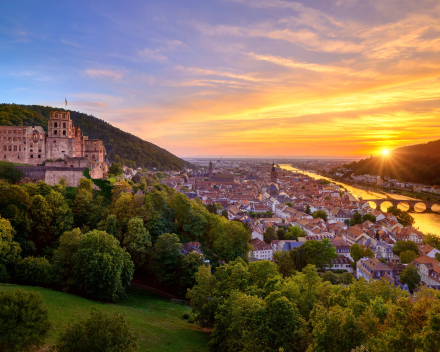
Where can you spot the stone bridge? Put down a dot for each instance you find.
(410, 203)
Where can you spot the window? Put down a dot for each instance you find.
(64, 133)
(32, 156)
(64, 125)
(5, 148)
(15, 148)
(4, 157)
(10, 148)
(55, 132)
(55, 125)
(39, 156)
(18, 157)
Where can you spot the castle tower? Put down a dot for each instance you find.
(273, 174)
(60, 125)
(210, 170)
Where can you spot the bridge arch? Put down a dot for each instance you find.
(404, 206)
(436, 208)
(372, 204)
(385, 205)
(419, 207)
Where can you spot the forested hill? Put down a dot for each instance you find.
(416, 163)
(121, 146)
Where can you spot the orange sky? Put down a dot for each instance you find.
(344, 78)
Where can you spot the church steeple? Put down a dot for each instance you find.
(273, 174)
(210, 170)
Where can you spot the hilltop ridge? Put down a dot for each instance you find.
(121, 146)
(418, 163)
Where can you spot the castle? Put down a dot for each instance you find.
(49, 156)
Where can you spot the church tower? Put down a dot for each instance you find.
(210, 171)
(273, 174)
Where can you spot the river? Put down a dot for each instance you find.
(425, 222)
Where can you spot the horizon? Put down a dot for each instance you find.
(235, 78)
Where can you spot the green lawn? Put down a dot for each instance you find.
(158, 320)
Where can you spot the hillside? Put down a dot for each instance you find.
(416, 163)
(158, 321)
(121, 146)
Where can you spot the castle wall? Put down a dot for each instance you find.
(22, 145)
(72, 175)
(33, 173)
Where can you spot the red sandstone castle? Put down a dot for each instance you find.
(62, 146)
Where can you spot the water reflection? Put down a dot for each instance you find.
(425, 222)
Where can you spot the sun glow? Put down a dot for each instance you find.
(385, 152)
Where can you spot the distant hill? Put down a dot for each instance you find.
(121, 146)
(416, 163)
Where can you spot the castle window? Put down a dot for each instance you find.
(18, 157)
(55, 124)
(55, 132)
(32, 156)
(64, 133)
(4, 157)
(5, 148)
(39, 156)
(10, 148)
(64, 125)
(15, 148)
(19, 148)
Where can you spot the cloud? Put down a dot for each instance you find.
(115, 75)
(70, 43)
(153, 54)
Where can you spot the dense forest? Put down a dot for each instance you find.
(121, 146)
(416, 163)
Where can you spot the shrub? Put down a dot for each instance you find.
(100, 332)
(24, 321)
(34, 271)
(331, 277)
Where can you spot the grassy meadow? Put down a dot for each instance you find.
(158, 320)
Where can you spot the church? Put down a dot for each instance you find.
(62, 147)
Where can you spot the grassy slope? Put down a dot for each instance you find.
(158, 320)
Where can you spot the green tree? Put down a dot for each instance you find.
(34, 271)
(407, 256)
(437, 256)
(320, 214)
(9, 250)
(358, 251)
(167, 257)
(402, 246)
(63, 256)
(294, 232)
(357, 218)
(41, 216)
(137, 242)
(281, 233)
(411, 277)
(102, 269)
(330, 277)
(368, 217)
(270, 235)
(308, 211)
(289, 204)
(101, 332)
(190, 264)
(432, 240)
(285, 263)
(24, 321)
(9, 172)
(115, 169)
(319, 253)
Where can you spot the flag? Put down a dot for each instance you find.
(66, 101)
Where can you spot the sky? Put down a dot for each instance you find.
(339, 78)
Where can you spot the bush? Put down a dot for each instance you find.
(35, 272)
(99, 333)
(331, 277)
(24, 321)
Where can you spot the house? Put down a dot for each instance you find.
(373, 269)
(285, 245)
(428, 250)
(341, 263)
(342, 247)
(429, 270)
(261, 250)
